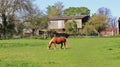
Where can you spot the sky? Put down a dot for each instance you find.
(93, 5)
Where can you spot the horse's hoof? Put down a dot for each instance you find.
(64, 48)
(48, 48)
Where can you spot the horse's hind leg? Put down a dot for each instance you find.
(61, 45)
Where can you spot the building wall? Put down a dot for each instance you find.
(56, 24)
(109, 32)
(79, 23)
(27, 32)
(60, 24)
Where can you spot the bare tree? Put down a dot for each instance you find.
(55, 10)
(104, 11)
(9, 9)
(112, 21)
(59, 5)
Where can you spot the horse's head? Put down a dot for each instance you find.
(49, 46)
(50, 43)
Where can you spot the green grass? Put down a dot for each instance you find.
(80, 52)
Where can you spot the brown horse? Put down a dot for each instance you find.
(57, 40)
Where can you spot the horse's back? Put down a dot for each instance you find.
(61, 39)
(58, 39)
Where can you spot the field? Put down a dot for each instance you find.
(80, 52)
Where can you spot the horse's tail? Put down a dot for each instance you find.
(67, 42)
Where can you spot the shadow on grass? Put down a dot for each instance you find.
(59, 48)
(9, 45)
(18, 64)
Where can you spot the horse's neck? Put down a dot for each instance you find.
(51, 41)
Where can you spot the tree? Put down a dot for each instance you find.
(52, 11)
(1, 29)
(71, 27)
(10, 9)
(89, 29)
(36, 21)
(59, 5)
(20, 28)
(39, 22)
(76, 11)
(112, 21)
(55, 10)
(104, 11)
(95, 24)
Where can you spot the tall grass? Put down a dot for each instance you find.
(80, 52)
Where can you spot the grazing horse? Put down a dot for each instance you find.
(57, 40)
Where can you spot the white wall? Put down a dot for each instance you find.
(79, 23)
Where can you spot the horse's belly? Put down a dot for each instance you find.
(58, 42)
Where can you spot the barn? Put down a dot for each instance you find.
(58, 23)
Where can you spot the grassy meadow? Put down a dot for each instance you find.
(80, 52)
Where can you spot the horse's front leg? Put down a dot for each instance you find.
(54, 45)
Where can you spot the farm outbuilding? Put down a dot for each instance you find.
(58, 23)
(109, 31)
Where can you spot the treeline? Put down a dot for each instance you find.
(16, 15)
